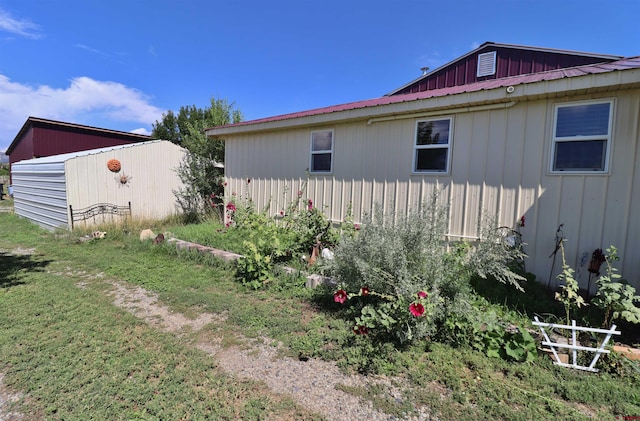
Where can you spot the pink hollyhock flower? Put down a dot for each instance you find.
(422, 294)
(233, 194)
(224, 184)
(281, 213)
(416, 309)
(299, 193)
(310, 206)
(364, 291)
(522, 221)
(231, 207)
(340, 296)
(357, 227)
(227, 225)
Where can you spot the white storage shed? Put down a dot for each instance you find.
(145, 181)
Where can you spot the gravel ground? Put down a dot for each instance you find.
(6, 398)
(312, 384)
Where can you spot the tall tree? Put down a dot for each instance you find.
(202, 169)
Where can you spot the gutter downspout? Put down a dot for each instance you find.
(502, 105)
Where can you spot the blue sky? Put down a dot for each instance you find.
(119, 64)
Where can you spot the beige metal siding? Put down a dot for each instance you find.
(151, 168)
(499, 166)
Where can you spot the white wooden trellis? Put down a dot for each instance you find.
(574, 343)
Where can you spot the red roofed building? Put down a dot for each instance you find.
(39, 137)
(504, 130)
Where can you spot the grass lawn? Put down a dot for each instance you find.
(76, 356)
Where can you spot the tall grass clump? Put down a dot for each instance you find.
(402, 278)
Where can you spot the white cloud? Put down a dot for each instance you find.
(85, 101)
(22, 27)
(141, 130)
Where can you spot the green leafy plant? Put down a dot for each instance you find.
(568, 294)
(254, 269)
(615, 297)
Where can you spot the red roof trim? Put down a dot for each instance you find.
(624, 64)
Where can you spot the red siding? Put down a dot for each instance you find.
(48, 141)
(509, 62)
(24, 150)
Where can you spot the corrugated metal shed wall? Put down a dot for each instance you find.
(499, 165)
(151, 168)
(39, 188)
(45, 187)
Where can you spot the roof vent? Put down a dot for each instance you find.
(425, 70)
(486, 64)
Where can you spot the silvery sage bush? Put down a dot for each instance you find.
(405, 261)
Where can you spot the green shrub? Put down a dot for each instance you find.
(397, 257)
(615, 297)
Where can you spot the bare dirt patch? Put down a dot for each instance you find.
(8, 398)
(312, 384)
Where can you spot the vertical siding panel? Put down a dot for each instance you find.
(542, 214)
(475, 183)
(570, 211)
(628, 127)
(619, 219)
(461, 163)
(511, 202)
(494, 165)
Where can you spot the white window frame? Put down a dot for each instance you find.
(447, 146)
(321, 151)
(608, 138)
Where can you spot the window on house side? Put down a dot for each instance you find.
(432, 146)
(582, 137)
(321, 151)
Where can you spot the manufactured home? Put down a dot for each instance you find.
(512, 131)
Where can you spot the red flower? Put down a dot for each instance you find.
(299, 193)
(233, 194)
(224, 184)
(422, 294)
(310, 206)
(364, 291)
(340, 296)
(522, 221)
(360, 330)
(248, 180)
(357, 227)
(281, 213)
(416, 309)
(227, 225)
(231, 207)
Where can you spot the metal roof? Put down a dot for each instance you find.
(37, 121)
(619, 65)
(67, 156)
